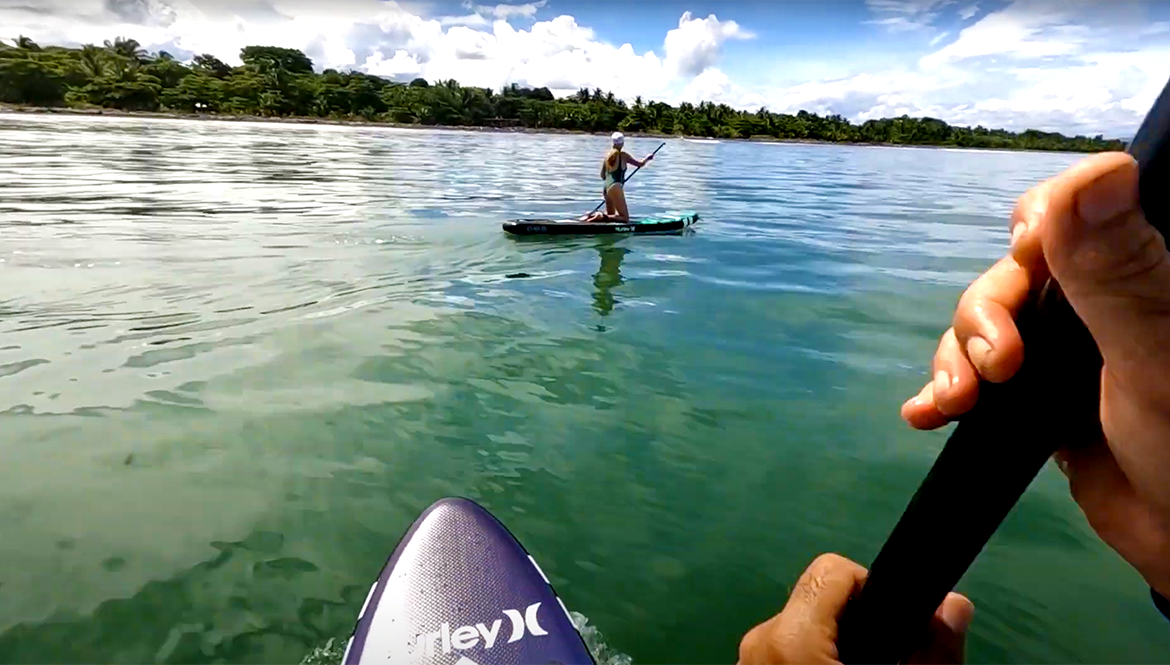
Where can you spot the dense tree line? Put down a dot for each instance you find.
(274, 81)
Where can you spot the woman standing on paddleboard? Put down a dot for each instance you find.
(613, 176)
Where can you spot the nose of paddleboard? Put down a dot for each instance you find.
(459, 589)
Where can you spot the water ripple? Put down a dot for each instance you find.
(239, 357)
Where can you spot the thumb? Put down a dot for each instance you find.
(1110, 262)
(946, 637)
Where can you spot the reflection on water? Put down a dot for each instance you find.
(608, 275)
(237, 359)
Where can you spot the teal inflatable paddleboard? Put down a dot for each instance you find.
(655, 224)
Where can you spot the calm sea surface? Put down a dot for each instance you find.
(238, 359)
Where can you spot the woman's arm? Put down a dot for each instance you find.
(630, 159)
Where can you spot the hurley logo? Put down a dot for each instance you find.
(466, 637)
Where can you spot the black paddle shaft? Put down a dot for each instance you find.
(996, 450)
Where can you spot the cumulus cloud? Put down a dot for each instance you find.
(470, 20)
(505, 12)
(401, 65)
(146, 12)
(558, 54)
(479, 48)
(712, 85)
(697, 43)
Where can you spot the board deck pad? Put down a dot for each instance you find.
(459, 589)
(654, 224)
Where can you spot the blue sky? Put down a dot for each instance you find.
(784, 31)
(1073, 66)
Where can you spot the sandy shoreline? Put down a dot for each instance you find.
(305, 120)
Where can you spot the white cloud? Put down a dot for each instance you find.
(150, 12)
(696, 43)
(905, 15)
(558, 54)
(712, 85)
(967, 12)
(470, 20)
(401, 65)
(899, 23)
(508, 11)
(1030, 65)
(863, 97)
(938, 38)
(910, 7)
(1104, 90)
(1156, 28)
(1018, 31)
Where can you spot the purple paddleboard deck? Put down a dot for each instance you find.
(460, 590)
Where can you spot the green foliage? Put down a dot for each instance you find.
(129, 49)
(32, 75)
(133, 92)
(168, 71)
(209, 65)
(275, 81)
(26, 44)
(275, 58)
(195, 94)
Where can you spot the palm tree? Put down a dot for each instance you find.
(92, 61)
(212, 65)
(128, 48)
(122, 70)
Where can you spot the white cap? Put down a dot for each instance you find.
(618, 138)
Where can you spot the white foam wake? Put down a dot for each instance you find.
(602, 653)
